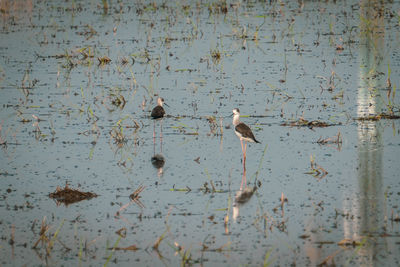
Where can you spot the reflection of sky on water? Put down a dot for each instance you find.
(368, 202)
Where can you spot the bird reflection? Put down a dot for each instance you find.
(158, 162)
(158, 159)
(242, 196)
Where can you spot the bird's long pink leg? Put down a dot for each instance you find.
(243, 180)
(154, 132)
(241, 143)
(161, 136)
(154, 146)
(244, 157)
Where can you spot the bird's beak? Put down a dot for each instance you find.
(166, 104)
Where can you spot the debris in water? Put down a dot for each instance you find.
(305, 123)
(378, 117)
(69, 196)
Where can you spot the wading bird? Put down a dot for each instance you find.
(243, 132)
(157, 113)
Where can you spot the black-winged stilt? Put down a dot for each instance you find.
(158, 111)
(243, 132)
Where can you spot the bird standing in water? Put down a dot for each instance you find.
(243, 132)
(157, 113)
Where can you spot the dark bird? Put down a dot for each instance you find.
(158, 111)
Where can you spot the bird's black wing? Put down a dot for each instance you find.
(157, 112)
(245, 131)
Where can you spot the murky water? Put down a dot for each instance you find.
(69, 116)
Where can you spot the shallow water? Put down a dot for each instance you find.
(277, 62)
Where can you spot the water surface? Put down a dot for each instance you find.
(68, 116)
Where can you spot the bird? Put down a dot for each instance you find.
(243, 132)
(158, 111)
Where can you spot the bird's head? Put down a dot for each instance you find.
(161, 102)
